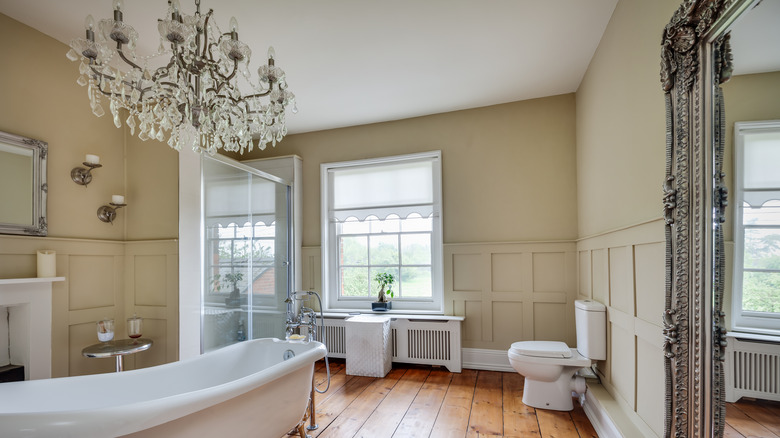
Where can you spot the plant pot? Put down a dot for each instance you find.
(378, 306)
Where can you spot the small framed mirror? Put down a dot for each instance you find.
(22, 185)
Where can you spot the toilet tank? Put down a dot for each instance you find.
(591, 323)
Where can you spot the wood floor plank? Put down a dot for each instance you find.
(339, 399)
(414, 401)
(744, 424)
(453, 418)
(352, 418)
(388, 415)
(419, 418)
(519, 419)
(556, 424)
(486, 410)
(730, 432)
(581, 422)
(765, 413)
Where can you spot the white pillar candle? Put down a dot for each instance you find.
(117, 199)
(93, 159)
(47, 263)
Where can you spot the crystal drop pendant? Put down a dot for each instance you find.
(83, 69)
(98, 110)
(72, 55)
(131, 124)
(82, 80)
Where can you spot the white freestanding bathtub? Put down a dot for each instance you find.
(256, 388)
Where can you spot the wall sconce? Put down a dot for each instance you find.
(107, 213)
(83, 175)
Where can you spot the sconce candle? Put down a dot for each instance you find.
(92, 159)
(117, 199)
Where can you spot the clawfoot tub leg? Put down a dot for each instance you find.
(312, 414)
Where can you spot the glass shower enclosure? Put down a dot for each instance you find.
(247, 252)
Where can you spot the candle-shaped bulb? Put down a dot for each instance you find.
(271, 52)
(233, 24)
(117, 199)
(119, 5)
(175, 6)
(89, 23)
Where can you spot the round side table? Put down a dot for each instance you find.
(117, 349)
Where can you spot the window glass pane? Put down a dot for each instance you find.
(767, 214)
(226, 232)
(263, 280)
(762, 248)
(353, 250)
(375, 286)
(761, 292)
(263, 230)
(354, 282)
(384, 250)
(263, 252)
(225, 251)
(244, 231)
(390, 225)
(762, 153)
(240, 250)
(416, 249)
(353, 226)
(416, 283)
(416, 223)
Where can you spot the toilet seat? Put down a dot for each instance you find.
(542, 349)
(549, 353)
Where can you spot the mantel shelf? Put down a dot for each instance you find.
(30, 280)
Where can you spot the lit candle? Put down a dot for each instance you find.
(92, 159)
(117, 199)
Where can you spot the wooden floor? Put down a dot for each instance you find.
(752, 418)
(418, 401)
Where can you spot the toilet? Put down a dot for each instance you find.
(549, 366)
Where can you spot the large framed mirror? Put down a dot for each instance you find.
(23, 185)
(702, 228)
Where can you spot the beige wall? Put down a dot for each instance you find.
(516, 159)
(105, 275)
(620, 121)
(508, 176)
(620, 169)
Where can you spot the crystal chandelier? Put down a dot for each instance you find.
(194, 99)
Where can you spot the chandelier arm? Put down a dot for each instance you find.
(263, 94)
(124, 58)
(206, 34)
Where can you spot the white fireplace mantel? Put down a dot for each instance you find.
(28, 301)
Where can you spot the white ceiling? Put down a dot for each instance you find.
(755, 39)
(352, 62)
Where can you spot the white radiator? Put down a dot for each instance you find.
(420, 341)
(752, 369)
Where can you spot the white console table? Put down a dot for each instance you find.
(28, 301)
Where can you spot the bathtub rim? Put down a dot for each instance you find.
(123, 419)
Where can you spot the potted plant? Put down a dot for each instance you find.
(233, 300)
(385, 281)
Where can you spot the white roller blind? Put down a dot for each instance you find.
(228, 200)
(398, 188)
(762, 155)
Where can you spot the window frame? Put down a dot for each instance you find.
(746, 320)
(330, 243)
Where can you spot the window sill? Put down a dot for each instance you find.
(395, 314)
(746, 336)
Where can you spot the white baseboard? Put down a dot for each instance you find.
(598, 415)
(482, 359)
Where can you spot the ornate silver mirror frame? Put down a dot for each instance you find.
(23, 186)
(695, 60)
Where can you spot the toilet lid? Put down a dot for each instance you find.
(542, 349)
